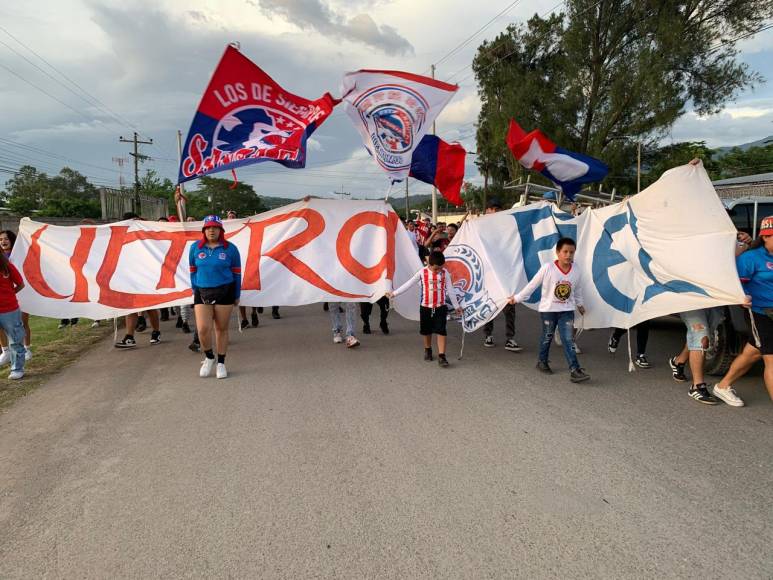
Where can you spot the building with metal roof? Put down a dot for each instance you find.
(759, 185)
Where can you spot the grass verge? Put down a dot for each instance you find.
(52, 349)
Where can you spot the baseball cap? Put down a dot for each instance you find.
(766, 227)
(212, 221)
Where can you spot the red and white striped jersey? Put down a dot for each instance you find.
(435, 286)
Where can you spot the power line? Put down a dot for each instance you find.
(56, 155)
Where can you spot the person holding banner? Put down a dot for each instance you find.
(561, 284)
(216, 276)
(755, 268)
(436, 284)
(10, 316)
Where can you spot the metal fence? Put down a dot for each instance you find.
(116, 202)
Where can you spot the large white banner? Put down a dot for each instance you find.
(306, 252)
(669, 249)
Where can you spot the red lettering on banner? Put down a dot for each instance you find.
(283, 252)
(79, 257)
(119, 237)
(33, 272)
(344, 243)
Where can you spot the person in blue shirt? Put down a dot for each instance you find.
(755, 269)
(216, 279)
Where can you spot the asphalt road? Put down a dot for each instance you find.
(312, 460)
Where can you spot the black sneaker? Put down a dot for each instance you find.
(195, 346)
(677, 370)
(701, 394)
(141, 324)
(428, 354)
(244, 323)
(578, 376)
(254, 319)
(325, 306)
(613, 343)
(179, 322)
(185, 328)
(366, 329)
(275, 313)
(642, 362)
(544, 367)
(384, 327)
(442, 360)
(127, 342)
(155, 337)
(260, 309)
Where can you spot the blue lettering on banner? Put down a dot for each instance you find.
(604, 258)
(531, 246)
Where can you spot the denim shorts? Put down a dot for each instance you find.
(701, 324)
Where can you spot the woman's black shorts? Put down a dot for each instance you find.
(221, 295)
(764, 326)
(432, 321)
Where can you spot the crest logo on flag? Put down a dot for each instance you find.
(467, 275)
(254, 127)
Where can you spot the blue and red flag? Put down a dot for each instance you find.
(440, 164)
(245, 117)
(568, 170)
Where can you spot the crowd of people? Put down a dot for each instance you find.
(215, 274)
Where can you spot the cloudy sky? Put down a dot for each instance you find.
(142, 65)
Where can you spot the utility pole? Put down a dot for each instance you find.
(342, 193)
(407, 203)
(434, 189)
(137, 158)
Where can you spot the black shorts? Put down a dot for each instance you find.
(764, 326)
(221, 295)
(432, 321)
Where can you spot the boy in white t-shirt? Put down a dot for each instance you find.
(561, 293)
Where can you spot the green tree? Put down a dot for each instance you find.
(25, 191)
(738, 162)
(151, 184)
(242, 199)
(70, 194)
(604, 69)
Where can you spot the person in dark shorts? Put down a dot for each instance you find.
(436, 284)
(216, 276)
(755, 268)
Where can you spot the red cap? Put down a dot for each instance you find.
(766, 227)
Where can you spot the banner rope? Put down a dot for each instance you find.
(389, 192)
(755, 333)
(461, 350)
(631, 366)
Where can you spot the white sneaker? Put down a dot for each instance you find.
(222, 373)
(15, 375)
(95, 324)
(337, 338)
(5, 358)
(206, 367)
(351, 342)
(27, 354)
(728, 395)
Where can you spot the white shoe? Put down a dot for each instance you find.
(27, 354)
(728, 395)
(351, 342)
(206, 367)
(95, 324)
(337, 338)
(222, 373)
(5, 358)
(15, 375)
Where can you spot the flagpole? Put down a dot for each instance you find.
(434, 189)
(407, 203)
(181, 210)
(389, 191)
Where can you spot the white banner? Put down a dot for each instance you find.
(392, 111)
(306, 252)
(669, 249)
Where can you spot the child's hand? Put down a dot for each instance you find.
(512, 300)
(581, 310)
(389, 295)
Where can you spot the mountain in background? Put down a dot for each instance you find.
(761, 143)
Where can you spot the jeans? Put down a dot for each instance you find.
(565, 323)
(701, 324)
(509, 312)
(11, 323)
(350, 311)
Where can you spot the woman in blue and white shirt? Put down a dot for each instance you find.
(216, 279)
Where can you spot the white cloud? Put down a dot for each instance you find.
(462, 110)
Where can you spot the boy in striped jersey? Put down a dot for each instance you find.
(435, 286)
